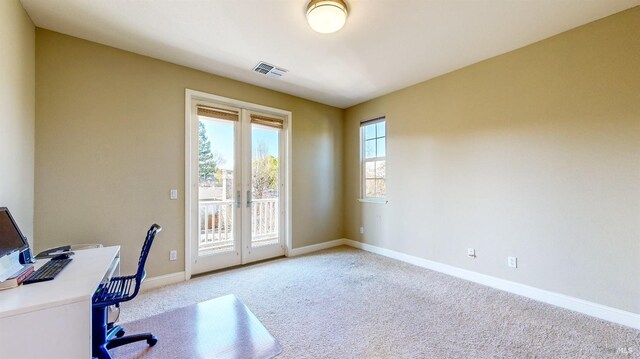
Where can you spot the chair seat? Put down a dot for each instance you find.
(117, 290)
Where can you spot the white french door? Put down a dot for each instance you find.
(238, 185)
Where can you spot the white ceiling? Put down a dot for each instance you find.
(386, 44)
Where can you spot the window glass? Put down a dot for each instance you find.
(370, 170)
(380, 147)
(370, 187)
(381, 129)
(370, 148)
(380, 187)
(374, 152)
(369, 132)
(380, 170)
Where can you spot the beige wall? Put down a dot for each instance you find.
(110, 146)
(534, 154)
(17, 113)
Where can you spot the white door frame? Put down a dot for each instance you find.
(190, 192)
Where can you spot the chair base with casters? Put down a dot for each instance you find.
(106, 336)
(113, 336)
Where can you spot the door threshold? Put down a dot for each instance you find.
(239, 266)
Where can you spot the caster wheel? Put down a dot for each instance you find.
(152, 341)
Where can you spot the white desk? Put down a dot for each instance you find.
(53, 319)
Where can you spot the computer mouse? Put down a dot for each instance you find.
(60, 256)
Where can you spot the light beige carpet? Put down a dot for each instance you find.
(347, 303)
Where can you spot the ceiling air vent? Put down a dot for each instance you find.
(269, 70)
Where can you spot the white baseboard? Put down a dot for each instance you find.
(564, 301)
(162, 280)
(316, 247)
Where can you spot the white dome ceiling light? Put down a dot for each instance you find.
(327, 16)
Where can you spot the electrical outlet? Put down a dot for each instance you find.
(471, 252)
(173, 255)
(173, 194)
(512, 262)
(361, 230)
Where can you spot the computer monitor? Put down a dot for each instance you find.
(11, 239)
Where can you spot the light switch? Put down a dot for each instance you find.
(174, 194)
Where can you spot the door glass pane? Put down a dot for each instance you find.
(265, 184)
(216, 154)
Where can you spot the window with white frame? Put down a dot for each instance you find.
(373, 149)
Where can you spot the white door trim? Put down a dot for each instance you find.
(189, 192)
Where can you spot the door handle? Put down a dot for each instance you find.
(249, 198)
(238, 200)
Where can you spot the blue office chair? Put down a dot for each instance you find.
(114, 292)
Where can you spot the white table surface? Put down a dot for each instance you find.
(76, 282)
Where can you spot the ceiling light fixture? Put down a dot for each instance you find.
(327, 16)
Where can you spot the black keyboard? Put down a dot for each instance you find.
(48, 271)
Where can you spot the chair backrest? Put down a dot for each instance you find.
(146, 247)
